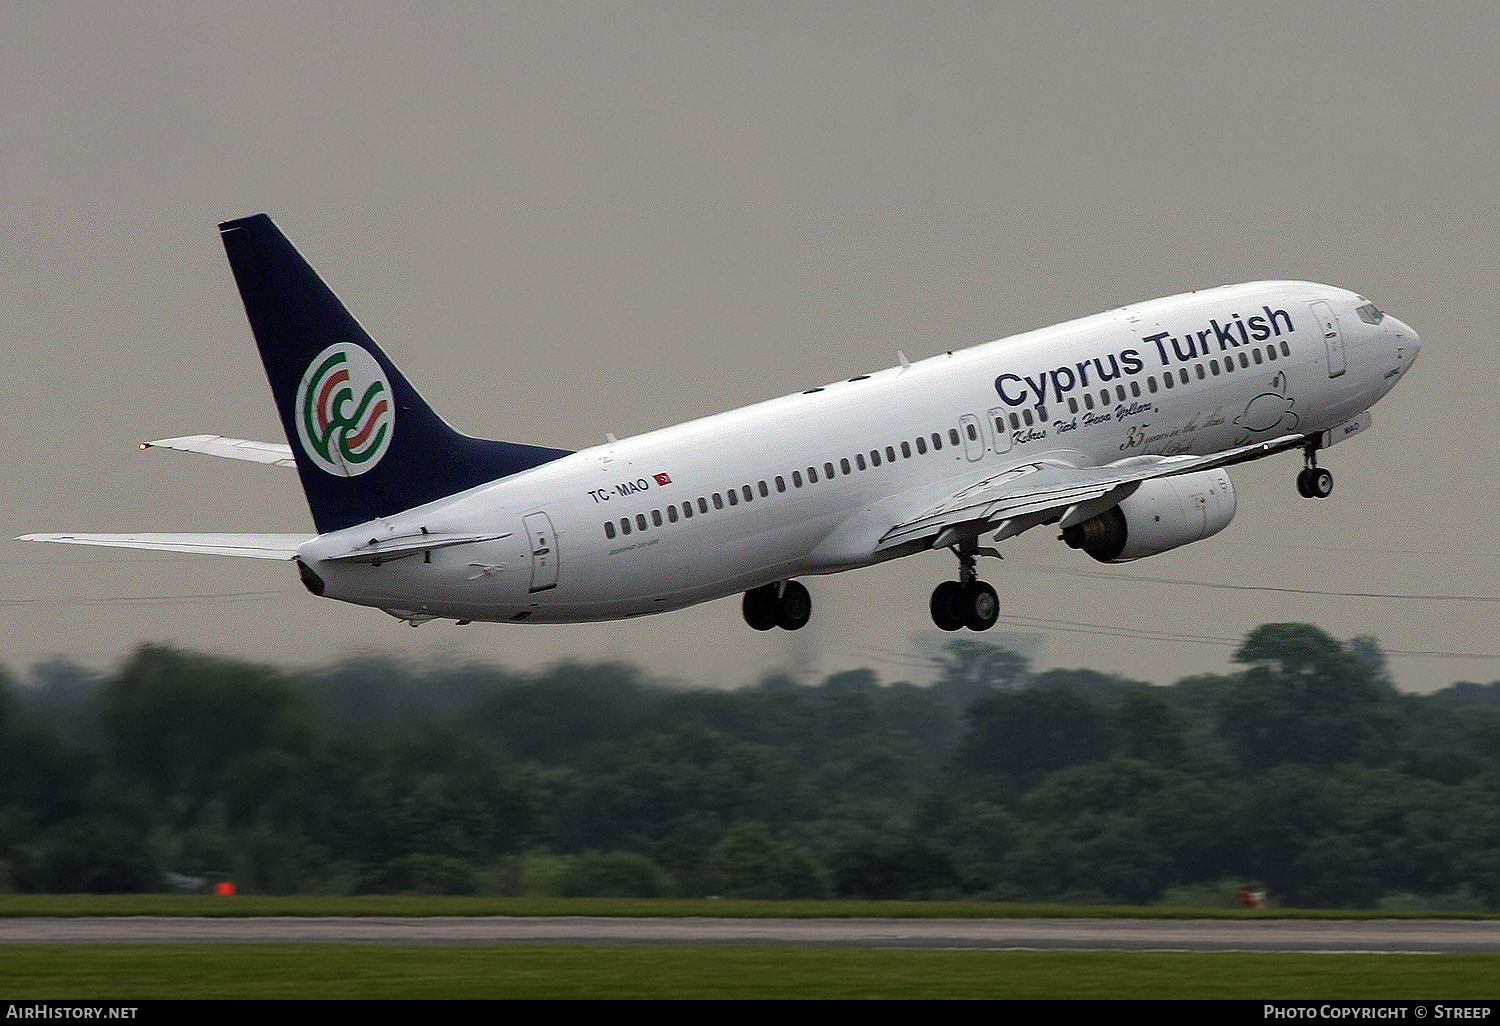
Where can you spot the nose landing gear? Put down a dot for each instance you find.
(1314, 482)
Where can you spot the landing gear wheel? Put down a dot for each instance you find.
(761, 607)
(1314, 482)
(947, 605)
(786, 605)
(981, 606)
(794, 608)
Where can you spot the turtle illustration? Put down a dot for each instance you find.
(1270, 410)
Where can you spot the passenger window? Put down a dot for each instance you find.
(1201, 373)
(844, 466)
(702, 504)
(953, 438)
(1041, 412)
(937, 442)
(1135, 389)
(764, 491)
(973, 432)
(687, 510)
(609, 529)
(734, 499)
(890, 454)
(1088, 400)
(1166, 379)
(624, 525)
(859, 461)
(1026, 416)
(1183, 375)
(1120, 392)
(1286, 350)
(1256, 353)
(921, 447)
(1271, 352)
(874, 458)
(812, 475)
(1015, 421)
(718, 501)
(828, 471)
(656, 517)
(796, 479)
(672, 514)
(1151, 384)
(640, 521)
(748, 492)
(906, 450)
(780, 483)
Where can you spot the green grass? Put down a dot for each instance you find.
(150, 971)
(419, 905)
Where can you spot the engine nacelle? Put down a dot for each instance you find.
(1161, 514)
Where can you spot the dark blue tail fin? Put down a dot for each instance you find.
(367, 445)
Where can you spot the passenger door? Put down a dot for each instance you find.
(1328, 324)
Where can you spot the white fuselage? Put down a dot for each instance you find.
(816, 479)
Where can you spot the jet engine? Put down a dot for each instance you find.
(1161, 514)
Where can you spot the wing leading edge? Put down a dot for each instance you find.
(1024, 496)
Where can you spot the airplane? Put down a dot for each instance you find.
(1116, 429)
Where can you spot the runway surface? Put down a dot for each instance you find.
(1380, 935)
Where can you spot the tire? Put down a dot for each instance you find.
(1320, 483)
(794, 607)
(760, 607)
(981, 606)
(946, 604)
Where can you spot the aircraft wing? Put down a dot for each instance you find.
(259, 546)
(1042, 491)
(233, 448)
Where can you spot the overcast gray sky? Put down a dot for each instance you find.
(566, 219)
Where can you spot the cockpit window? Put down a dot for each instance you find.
(1370, 315)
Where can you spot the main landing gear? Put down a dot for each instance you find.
(785, 604)
(1314, 482)
(968, 601)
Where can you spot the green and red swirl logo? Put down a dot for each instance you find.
(345, 414)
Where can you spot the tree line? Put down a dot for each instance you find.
(1304, 772)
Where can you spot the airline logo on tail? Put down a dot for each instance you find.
(345, 417)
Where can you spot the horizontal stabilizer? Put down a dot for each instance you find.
(233, 448)
(259, 546)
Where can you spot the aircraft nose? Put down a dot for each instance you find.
(1406, 339)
